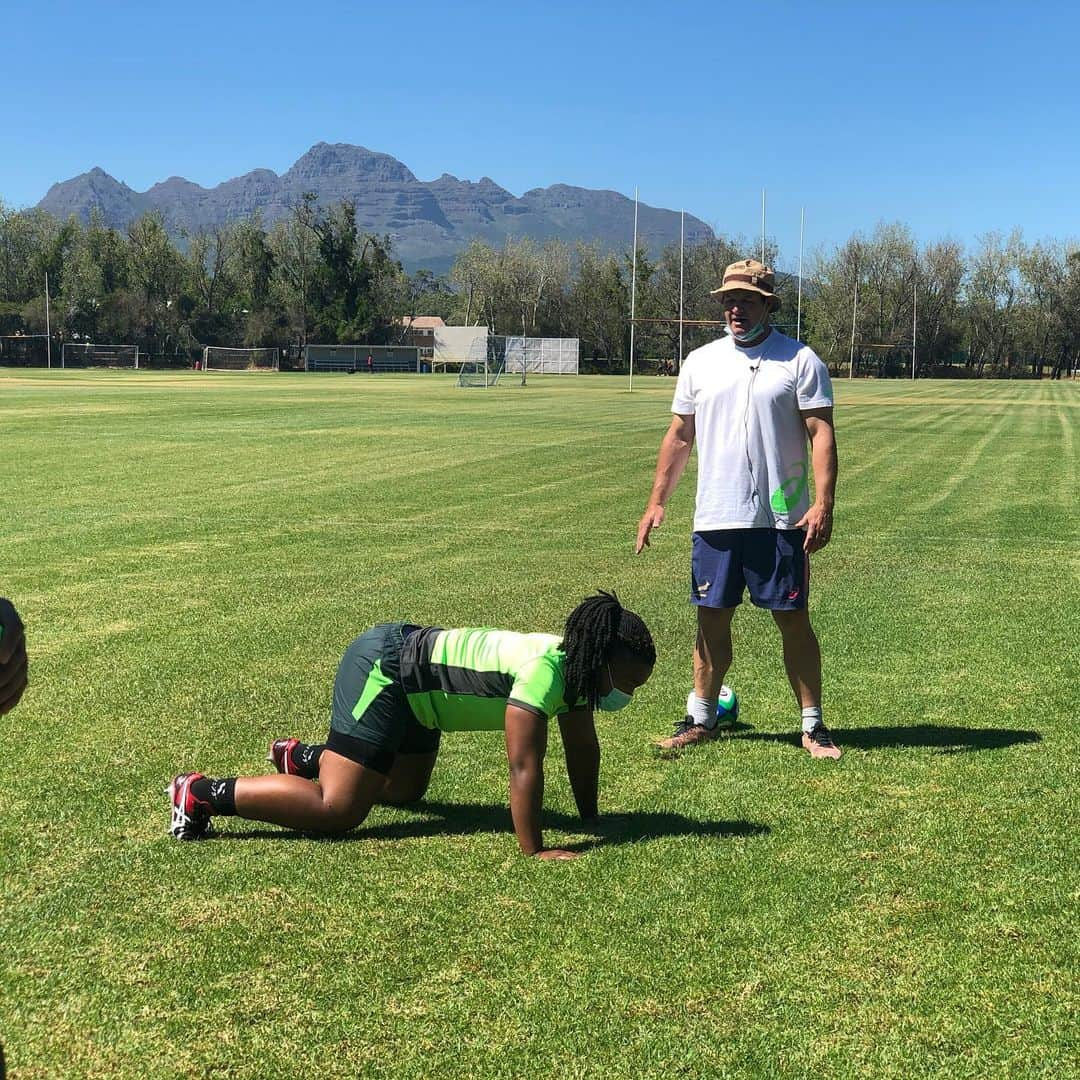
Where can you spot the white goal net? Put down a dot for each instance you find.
(221, 358)
(487, 364)
(83, 354)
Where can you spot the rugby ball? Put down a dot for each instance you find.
(727, 706)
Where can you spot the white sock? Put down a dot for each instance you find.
(701, 710)
(811, 717)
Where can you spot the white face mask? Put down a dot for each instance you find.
(615, 699)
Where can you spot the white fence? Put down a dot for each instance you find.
(542, 356)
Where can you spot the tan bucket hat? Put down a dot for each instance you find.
(750, 275)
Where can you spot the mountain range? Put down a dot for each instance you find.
(429, 221)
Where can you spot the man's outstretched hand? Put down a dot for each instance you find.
(653, 518)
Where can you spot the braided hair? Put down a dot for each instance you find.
(597, 628)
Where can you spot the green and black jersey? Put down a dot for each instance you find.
(462, 680)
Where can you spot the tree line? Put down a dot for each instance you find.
(1006, 308)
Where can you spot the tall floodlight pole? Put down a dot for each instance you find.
(633, 292)
(798, 317)
(762, 224)
(914, 323)
(682, 245)
(854, 309)
(48, 328)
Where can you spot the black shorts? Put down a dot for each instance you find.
(370, 720)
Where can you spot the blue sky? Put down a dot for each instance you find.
(955, 118)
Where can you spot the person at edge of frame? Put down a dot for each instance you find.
(14, 667)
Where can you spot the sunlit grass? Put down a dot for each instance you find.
(192, 553)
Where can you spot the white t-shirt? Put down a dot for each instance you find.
(753, 450)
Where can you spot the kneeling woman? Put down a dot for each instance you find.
(399, 687)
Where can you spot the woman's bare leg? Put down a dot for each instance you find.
(408, 779)
(337, 802)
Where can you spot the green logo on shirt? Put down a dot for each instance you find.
(790, 492)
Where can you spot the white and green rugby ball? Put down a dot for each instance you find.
(727, 705)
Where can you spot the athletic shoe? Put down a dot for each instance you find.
(687, 733)
(818, 743)
(190, 816)
(281, 755)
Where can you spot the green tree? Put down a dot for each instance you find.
(475, 273)
(939, 281)
(598, 303)
(293, 245)
(156, 275)
(259, 320)
(992, 294)
(209, 282)
(430, 294)
(31, 243)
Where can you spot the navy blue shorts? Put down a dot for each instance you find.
(770, 563)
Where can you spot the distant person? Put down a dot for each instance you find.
(14, 666)
(400, 686)
(759, 406)
(370, 364)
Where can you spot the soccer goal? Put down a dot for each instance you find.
(488, 365)
(476, 373)
(83, 354)
(221, 358)
(24, 350)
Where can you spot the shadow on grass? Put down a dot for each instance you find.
(947, 740)
(728, 729)
(464, 819)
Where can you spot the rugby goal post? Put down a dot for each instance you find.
(84, 354)
(223, 358)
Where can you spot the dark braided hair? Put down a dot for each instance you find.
(597, 628)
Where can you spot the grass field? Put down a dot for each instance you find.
(191, 555)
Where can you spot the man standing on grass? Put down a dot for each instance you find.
(754, 401)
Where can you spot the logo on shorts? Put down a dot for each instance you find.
(703, 588)
(793, 595)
